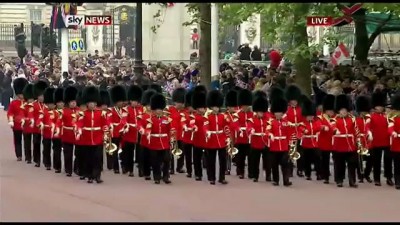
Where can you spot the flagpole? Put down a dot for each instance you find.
(214, 40)
(64, 50)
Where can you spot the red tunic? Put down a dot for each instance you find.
(345, 134)
(68, 122)
(294, 118)
(257, 128)
(363, 125)
(188, 123)
(379, 127)
(216, 127)
(29, 117)
(132, 124)
(47, 122)
(394, 132)
(91, 126)
(142, 125)
(241, 135)
(233, 126)
(38, 109)
(325, 136)
(158, 132)
(117, 118)
(309, 133)
(15, 114)
(176, 116)
(200, 137)
(279, 133)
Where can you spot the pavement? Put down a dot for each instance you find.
(30, 194)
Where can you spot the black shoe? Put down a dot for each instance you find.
(398, 187)
(189, 175)
(268, 179)
(368, 179)
(241, 176)
(255, 180)
(389, 182)
(353, 185)
(361, 181)
(287, 184)
(212, 182)
(326, 181)
(48, 168)
(90, 181)
(308, 178)
(167, 181)
(275, 183)
(172, 172)
(81, 178)
(131, 174)
(116, 171)
(157, 182)
(69, 175)
(198, 178)
(19, 159)
(223, 182)
(250, 177)
(339, 184)
(57, 171)
(300, 174)
(99, 181)
(378, 183)
(29, 161)
(37, 165)
(147, 178)
(228, 172)
(140, 173)
(180, 171)
(319, 178)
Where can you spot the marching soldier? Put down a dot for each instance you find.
(38, 89)
(144, 158)
(104, 104)
(159, 134)
(80, 152)
(118, 121)
(344, 142)
(57, 144)
(130, 134)
(381, 141)
(28, 124)
(294, 117)
(231, 108)
(15, 115)
(188, 122)
(363, 107)
(47, 121)
(176, 112)
(216, 127)
(325, 136)
(309, 130)
(259, 139)
(91, 127)
(394, 131)
(279, 135)
(241, 137)
(68, 121)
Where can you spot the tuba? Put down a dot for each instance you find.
(294, 155)
(231, 149)
(108, 146)
(175, 150)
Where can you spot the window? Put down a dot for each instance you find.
(35, 15)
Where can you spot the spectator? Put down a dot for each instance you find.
(256, 54)
(245, 51)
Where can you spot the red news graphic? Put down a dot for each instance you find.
(319, 21)
(89, 20)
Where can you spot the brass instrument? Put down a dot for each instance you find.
(231, 149)
(294, 155)
(108, 146)
(361, 149)
(175, 150)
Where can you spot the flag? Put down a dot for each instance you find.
(340, 54)
(60, 13)
(57, 21)
(68, 9)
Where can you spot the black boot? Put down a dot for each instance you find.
(389, 182)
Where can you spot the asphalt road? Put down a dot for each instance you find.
(31, 194)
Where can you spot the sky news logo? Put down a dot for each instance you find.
(88, 20)
(319, 21)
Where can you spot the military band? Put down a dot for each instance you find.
(135, 124)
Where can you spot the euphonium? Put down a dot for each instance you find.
(109, 147)
(361, 149)
(294, 155)
(232, 151)
(175, 150)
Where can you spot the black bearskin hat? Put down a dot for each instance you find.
(342, 101)
(276, 92)
(188, 98)
(215, 99)
(90, 94)
(178, 95)
(147, 96)
(379, 98)
(59, 95)
(307, 107)
(293, 93)
(328, 103)
(279, 104)
(70, 94)
(396, 102)
(231, 99)
(199, 99)
(118, 94)
(200, 88)
(104, 98)
(319, 96)
(28, 92)
(260, 104)
(237, 88)
(145, 87)
(135, 93)
(39, 87)
(79, 98)
(158, 101)
(245, 97)
(48, 95)
(258, 94)
(156, 87)
(363, 104)
(19, 85)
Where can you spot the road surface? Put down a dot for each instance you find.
(31, 194)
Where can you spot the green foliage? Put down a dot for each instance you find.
(157, 17)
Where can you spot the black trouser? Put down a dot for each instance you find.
(197, 158)
(361, 165)
(396, 160)
(57, 153)
(160, 160)
(93, 158)
(37, 139)
(188, 152)
(244, 150)
(368, 166)
(311, 157)
(254, 162)
(211, 156)
(115, 158)
(280, 159)
(376, 157)
(80, 159)
(47, 152)
(147, 161)
(341, 159)
(68, 150)
(325, 164)
(28, 147)
(18, 143)
(129, 154)
(180, 162)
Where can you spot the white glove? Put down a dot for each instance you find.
(32, 123)
(228, 141)
(148, 137)
(208, 134)
(195, 129)
(370, 137)
(185, 128)
(141, 131)
(41, 126)
(326, 128)
(306, 131)
(126, 130)
(252, 131)
(22, 123)
(78, 134)
(11, 123)
(271, 136)
(394, 134)
(57, 132)
(241, 133)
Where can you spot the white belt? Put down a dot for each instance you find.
(131, 124)
(189, 129)
(159, 135)
(216, 132)
(243, 128)
(361, 135)
(258, 134)
(91, 128)
(309, 136)
(116, 124)
(280, 137)
(68, 128)
(47, 126)
(343, 135)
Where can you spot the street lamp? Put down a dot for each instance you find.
(138, 65)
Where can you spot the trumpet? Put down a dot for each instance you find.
(294, 155)
(361, 149)
(231, 149)
(175, 150)
(108, 146)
